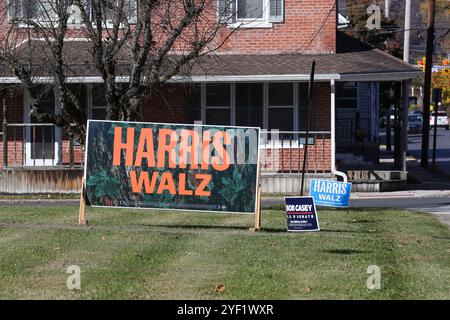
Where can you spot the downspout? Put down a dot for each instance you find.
(333, 133)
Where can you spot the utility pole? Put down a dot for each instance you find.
(308, 124)
(427, 84)
(407, 31)
(436, 100)
(403, 141)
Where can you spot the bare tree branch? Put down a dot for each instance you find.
(162, 39)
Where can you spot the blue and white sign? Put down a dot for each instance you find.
(329, 193)
(301, 214)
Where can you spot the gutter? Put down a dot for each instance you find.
(180, 79)
(333, 133)
(386, 76)
(380, 76)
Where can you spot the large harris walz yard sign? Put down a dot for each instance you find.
(171, 166)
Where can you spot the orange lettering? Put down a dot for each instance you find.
(145, 140)
(164, 148)
(143, 179)
(223, 154)
(205, 149)
(182, 186)
(205, 179)
(128, 146)
(191, 149)
(166, 183)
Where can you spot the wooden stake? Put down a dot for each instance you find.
(258, 205)
(82, 218)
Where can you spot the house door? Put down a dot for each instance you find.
(42, 141)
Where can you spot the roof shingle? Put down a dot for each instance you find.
(352, 58)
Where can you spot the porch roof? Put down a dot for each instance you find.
(352, 62)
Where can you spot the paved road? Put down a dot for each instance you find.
(442, 150)
(440, 206)
(430, 204)
(415, 146)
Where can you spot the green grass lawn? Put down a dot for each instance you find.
(141, 254)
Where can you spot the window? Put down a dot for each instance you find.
(193, 100)
(80, 92)
(98, 109)
(303, 105)
(129, 10)
(249, 104)
(45, 10)
(281, 106)
(347, 95)
(250, 9)
(250, 13)
(42, 10)
(218, 104)
(42, 138)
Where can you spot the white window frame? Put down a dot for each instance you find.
(40, 20)
(253, 22)
(90, 101)
(44, 23)
(356, 98)
(295, 107)
(231, 106)
(29, 161)
(280, 144)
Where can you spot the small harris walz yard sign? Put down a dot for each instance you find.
(301, 214)
(171, 166)
(330, 193)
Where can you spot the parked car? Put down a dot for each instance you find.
(415, 123)
(442, 119)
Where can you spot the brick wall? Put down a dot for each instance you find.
(322, 105)
(285, 160)
(291, 160)
(78, 153)
(167, 105)
(309, 27)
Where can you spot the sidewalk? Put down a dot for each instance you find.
(426, 178)
(416, 194)
(422, 184)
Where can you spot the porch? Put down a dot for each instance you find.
(36, 159)
(266, 90)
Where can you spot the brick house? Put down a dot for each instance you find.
(258, 78)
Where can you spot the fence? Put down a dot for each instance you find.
(41, 145)
(352, 132)
(283, 151)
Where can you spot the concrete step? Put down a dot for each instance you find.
(376, 175)
(379, 186)
(351, 158)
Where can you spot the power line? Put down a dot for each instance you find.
(320, 27)
(397, 29)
